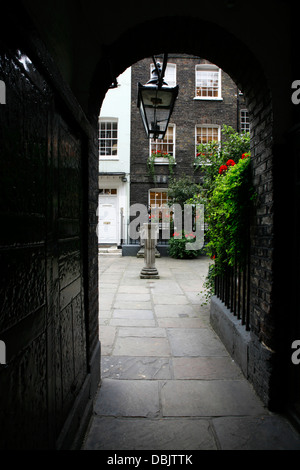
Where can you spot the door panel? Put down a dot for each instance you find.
(108, 219)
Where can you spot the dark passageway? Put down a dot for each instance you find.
(57, 61)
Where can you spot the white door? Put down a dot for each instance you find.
(107, 229)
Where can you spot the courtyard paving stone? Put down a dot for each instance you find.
(132, 313)
(204, 398)
(144, 346)
(164, 311)
(195, 342)
(135, 331)
(128, 398)
(136, 368)
(159, 434)
(168, 383)
(255, 433)
(205, 368)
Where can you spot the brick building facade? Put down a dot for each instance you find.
(194, 118)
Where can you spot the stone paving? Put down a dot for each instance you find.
(168, 382)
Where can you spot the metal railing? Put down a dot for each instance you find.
(160, 240)
(126, 239)
(233, 289)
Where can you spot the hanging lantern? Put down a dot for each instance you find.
(156, 102)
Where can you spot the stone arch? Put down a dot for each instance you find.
(196, 36)
(65, 44)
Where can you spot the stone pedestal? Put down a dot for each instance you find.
(150, 232)
(141, 252)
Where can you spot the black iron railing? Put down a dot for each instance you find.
(126, 239)
(233, 288)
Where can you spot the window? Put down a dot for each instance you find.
(165, 145)
(207, 133)
(158, 198)
(244, 120)
(208, 81)
(108, 138)
(170, 74)
(160, 211)
(108, 192)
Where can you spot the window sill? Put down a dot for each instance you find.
(102, 158)
(207, 98)
(203, 164)
(162, 161)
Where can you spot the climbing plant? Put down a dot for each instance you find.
(152, 159)
(229, 196)
(180, 190)
(212, 155)
(228, 215)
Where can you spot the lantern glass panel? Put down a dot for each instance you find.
(156, 106)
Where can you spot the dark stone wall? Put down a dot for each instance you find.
(48, 262)
(46, 320)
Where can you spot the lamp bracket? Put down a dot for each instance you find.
(161, 71)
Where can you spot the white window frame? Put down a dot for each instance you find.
(207, 126)
(210, 126)
(157, 190)
(113, 192)
(244, 122)
(208, 68)
(112, 121)
(156, 144)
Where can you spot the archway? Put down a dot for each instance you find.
(237, 60)
(117, 48)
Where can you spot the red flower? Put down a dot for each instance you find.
(245, 155)
(222, 169)
(230, 163)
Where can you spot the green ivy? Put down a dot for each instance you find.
(151, 163)
(177, 246)
(212, 155)
(228, 213)
(182, 190)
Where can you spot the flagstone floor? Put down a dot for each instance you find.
(168, 383)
